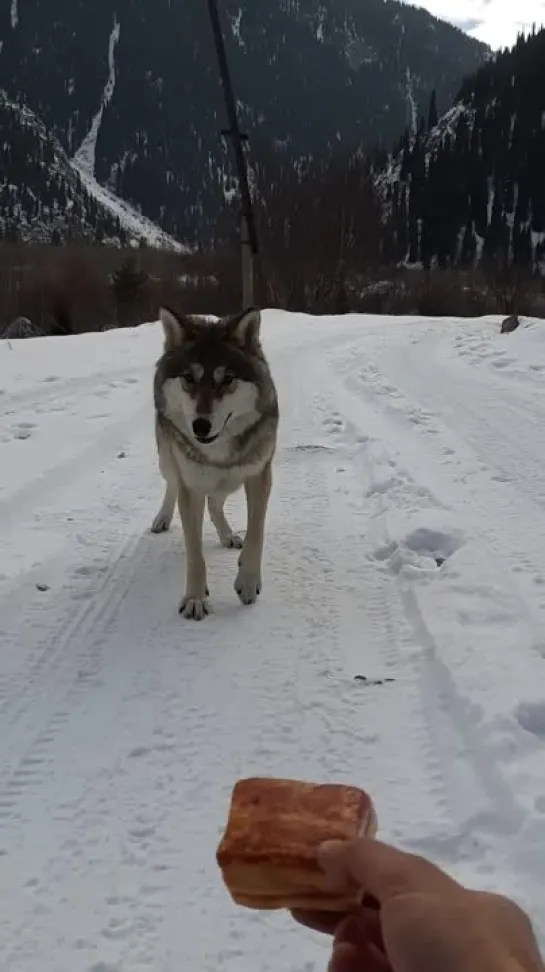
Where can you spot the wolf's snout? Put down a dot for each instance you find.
(202, 428)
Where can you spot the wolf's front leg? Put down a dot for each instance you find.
(191, 505)
(168, 470)
(226, 536)
(163, 519)
(248, 582)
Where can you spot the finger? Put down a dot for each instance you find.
(515, 925)
(349, 958)
(330, 922)
(361, 929)
(344, 958)
(383, 871)
(320, 921)
(380, 960)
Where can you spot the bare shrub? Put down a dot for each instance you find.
(73, 289)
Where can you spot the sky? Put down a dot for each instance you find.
(497, 22)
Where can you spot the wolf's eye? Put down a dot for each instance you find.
(188, 377)
(228, 379)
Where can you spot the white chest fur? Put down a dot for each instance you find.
(212, 480)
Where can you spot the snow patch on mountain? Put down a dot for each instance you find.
(411, 101)
(445, 127)
(85, 156)
(131, 220)
(236, 22)
(85, 159)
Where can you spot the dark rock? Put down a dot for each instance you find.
(510, 324)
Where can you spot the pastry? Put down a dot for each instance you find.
(268, 852)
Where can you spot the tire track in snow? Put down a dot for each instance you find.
(502, 434)
(461, 764)
(511, 521)
(481, 775)
(493, 821)
(53, 559)
(358, 633)
(406, 762)
(505, 821)
(31, 710)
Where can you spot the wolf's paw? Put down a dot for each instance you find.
(194, 608)
(248, 586)
(233, 541)
(161, 523)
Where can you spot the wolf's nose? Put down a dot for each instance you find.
(202, 428)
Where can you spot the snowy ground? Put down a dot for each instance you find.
(406, 544)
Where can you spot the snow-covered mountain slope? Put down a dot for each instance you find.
(398, 643)
(135, 225)
(137, 98)
(431, 140)
(473, 185)
(45, 197)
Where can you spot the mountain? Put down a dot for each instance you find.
(45, 198)
(473, 188)
(42, 197)
(130, 90)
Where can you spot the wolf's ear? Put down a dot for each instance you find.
(177, 329)
(245, 328)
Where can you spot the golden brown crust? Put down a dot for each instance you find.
(268, 853)
(299, 902)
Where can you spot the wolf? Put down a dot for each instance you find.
(216, 426)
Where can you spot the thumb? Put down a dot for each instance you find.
(378, 869)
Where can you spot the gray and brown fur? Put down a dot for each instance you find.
(215, 373)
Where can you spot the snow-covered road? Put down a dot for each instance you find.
(399, 642)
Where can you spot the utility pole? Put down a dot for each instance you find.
(249, 249)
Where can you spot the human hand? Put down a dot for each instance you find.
(415, 918)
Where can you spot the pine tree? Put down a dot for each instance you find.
(128, 285)
(469, 246)
(433, 116)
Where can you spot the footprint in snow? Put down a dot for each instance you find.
(501, 363)
(23, 430)
(334, 424)
(433, 543)
(421, 548)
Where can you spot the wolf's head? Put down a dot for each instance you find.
(210, 374)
